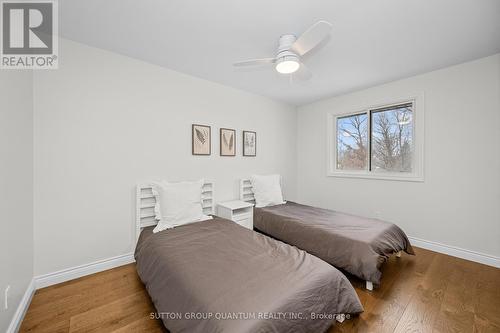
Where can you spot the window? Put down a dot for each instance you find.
(381, 142)
(352, 142)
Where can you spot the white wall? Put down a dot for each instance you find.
(459, 202)
(16, 188)
(104, 122)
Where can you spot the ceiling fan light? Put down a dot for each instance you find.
(287, 65)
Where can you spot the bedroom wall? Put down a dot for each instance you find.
(458, 204)
(105, 122)
(16, 188)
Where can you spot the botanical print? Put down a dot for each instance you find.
(201, 140)
(249, 143)
(227, 142)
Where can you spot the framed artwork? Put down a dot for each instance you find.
(249, 143)
(227, 142)
(201, 140)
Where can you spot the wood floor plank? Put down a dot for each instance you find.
(382, 313)
(143, 325)
(71, 299)
(457, 309)
(486, 302)
(420, 313)
(112, 316)
(425, 293)
(407, 272)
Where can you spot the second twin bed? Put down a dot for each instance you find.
(356, 244)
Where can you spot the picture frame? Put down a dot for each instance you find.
(249, 143)
(201, 140)
(227, 139)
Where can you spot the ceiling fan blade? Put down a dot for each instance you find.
(312, 37)
(303, 73)
(255, 62)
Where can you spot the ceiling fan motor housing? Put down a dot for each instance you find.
(284, 49)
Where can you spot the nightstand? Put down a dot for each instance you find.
(237, 211)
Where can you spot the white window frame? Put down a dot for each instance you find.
(417, 174)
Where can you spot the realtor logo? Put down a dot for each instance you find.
(29, 34)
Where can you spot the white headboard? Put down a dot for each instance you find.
(145, 203)
(246, 192)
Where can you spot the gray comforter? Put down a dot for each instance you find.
(356, 244)
(199, 275)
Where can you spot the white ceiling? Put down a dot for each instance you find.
(372, 42)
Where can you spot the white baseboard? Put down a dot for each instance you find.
(61, 276)
(456, 252)
(23, 306)
(64, 275)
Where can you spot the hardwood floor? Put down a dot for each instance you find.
(431, 292)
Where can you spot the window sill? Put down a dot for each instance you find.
(377, 176)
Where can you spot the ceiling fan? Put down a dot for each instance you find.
(291, 49)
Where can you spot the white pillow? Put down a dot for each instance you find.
(267, 190)
(177, 204)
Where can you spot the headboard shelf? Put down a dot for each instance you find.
(246, 192)
(145, 203)
(148, 205)
(207, 205)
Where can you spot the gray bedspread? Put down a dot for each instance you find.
(355, 244)
(218, 269)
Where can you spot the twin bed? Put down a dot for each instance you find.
(352, 243)
(216, 276)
